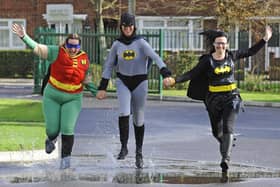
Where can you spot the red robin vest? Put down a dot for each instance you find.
(67, 73)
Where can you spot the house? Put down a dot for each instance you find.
(181, 28)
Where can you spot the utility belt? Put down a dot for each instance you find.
(228, 95)
(222, 88)
(64, 86)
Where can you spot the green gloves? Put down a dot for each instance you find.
(92, 88)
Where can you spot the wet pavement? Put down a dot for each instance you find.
(179, 149)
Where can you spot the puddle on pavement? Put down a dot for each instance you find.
(167, 178)
(126, 178)
(101, 168)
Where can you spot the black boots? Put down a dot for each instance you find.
(50, 145)
(139, 137)
(124, 132)
(66, 150)
(225, 149)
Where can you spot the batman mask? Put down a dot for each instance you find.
(127, 19)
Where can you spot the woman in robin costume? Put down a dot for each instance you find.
(62, 98)
(212, 81)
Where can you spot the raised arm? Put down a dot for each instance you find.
(39, 49)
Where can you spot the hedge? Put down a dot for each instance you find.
(16, 64)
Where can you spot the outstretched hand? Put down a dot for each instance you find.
(268, 33)
(18, 30)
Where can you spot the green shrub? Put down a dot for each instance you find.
(258, 83)
(180, 63)
(16, 64)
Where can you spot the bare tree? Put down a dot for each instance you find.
(100, 6)
(231, 12)
(227, 12)
(241, 12)
(131, 6)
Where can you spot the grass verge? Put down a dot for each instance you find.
(246, 96)
(21, 125)
(21, 110)
(21, 136)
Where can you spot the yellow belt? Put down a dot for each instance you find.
(63, 86)
(223, 88)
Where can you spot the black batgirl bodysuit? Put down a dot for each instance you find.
(212, 81)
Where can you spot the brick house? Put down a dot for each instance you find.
(181, 29)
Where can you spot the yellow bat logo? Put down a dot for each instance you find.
(129, 55)
(221, 70)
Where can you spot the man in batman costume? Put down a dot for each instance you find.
(130, 56)
(212, 81)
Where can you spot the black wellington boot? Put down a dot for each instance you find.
(66, 150)
(124, 132)
(139, 137)
(225, 148)
(50, 145)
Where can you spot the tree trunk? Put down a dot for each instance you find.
(100, 29)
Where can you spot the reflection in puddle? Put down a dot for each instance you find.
(126, 178)
(97, 169)
(168, 178)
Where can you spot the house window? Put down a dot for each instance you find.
(244, 43)
(179, 33)
(9, 40)
(232, 40)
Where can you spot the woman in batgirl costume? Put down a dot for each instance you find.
(62, 97)
(212, 81)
